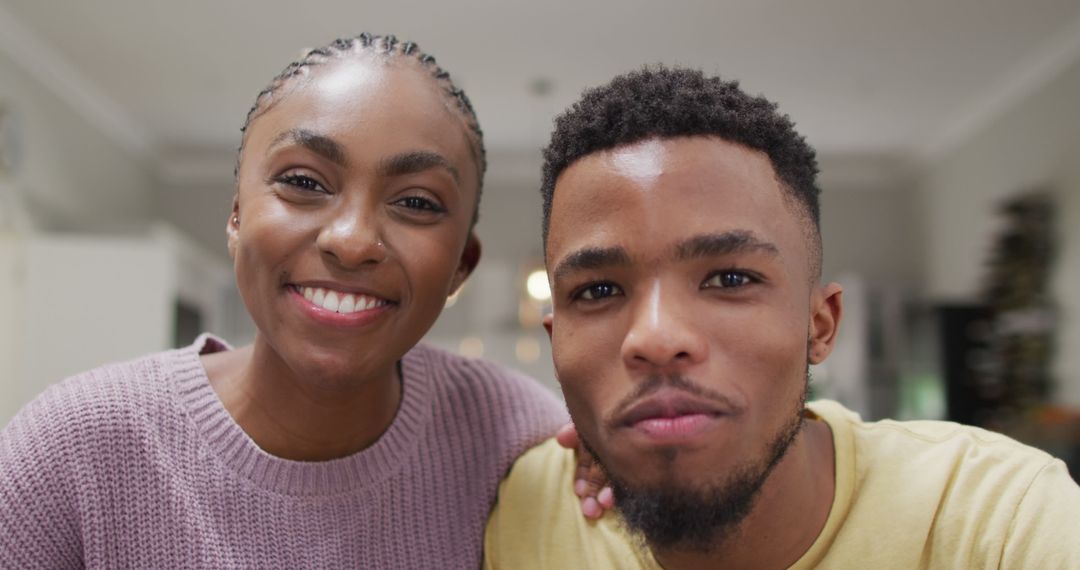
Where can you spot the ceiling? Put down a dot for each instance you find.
(173, 79)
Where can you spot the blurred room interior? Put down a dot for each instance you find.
(948, 135)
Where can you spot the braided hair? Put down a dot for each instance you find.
(387, 46)
(663, 102)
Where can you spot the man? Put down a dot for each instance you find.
(682, 243)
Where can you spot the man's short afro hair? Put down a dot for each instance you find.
(668, 102)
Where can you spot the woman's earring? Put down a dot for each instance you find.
(236, 220)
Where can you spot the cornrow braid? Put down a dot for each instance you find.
(388, 46)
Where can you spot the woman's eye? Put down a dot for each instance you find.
(728, 280)
(598, 291)
(302, 182)
(420, 203)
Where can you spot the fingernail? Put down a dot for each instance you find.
(606, 497)
(590, 507)
(580, 486)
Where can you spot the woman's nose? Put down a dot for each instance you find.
(353, 238)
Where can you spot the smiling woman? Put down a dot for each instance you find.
(334, 439)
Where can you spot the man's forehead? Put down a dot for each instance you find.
(697, 246)
(714, 174)
(652, 197)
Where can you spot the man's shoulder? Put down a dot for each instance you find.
(542, 475)
(960, 491)
(535, 505)
(537, 520)
(919, 444)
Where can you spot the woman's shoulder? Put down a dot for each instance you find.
(497, 410)
(105, 402)
(481, 377)
(480, 391)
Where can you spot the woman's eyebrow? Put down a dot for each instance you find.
(416, 161)
(321, 145)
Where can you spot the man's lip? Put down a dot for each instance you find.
(670, 403)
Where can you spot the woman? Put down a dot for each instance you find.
(334, 440)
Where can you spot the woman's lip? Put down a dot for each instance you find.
(339, 288)
(325, 316)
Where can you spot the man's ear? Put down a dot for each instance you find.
(826, 308)
(232, 226)
(548, 320)
(470, 256)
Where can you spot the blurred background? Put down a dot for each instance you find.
(948, 133)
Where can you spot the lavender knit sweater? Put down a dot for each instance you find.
(138, 465)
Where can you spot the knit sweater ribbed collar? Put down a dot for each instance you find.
(228, 442)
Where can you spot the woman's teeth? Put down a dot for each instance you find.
(340, 302)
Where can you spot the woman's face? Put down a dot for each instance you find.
(356, 192)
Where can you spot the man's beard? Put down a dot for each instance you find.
(702, 518)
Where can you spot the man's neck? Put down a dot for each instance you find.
(788, 514)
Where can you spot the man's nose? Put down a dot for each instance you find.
(664, 332)
(352, 236)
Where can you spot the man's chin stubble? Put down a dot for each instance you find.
(700, 519)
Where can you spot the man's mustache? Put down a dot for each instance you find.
(655, 383)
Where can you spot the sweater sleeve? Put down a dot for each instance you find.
(38, 522)
(528, 412)
(1045, 528)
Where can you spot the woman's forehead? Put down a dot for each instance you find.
(363, 101)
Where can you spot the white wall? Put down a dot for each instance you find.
(10, 400)
(874, 233)
(1022, 149)
(201, 208)
(1067, 284)
(73, 302)
(87, 302)
(71, 175)
(70, 297)
(1029, 146)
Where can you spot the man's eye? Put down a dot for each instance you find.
(302, 182)
(728, 279)
(598, 291)
(420, 203)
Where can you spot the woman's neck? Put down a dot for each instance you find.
(295, 416)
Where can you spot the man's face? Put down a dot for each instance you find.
(682, 309)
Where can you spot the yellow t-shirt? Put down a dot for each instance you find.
(917, 494)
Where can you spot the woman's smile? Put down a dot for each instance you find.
(339, 307)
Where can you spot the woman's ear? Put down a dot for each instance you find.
(826, 309)
(470, 256)
(232, 227)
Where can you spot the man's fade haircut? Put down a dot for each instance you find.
(667, 102)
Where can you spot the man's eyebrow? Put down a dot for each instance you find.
(591, 258)
(416, 161)
(321, 145)
(726, 243)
